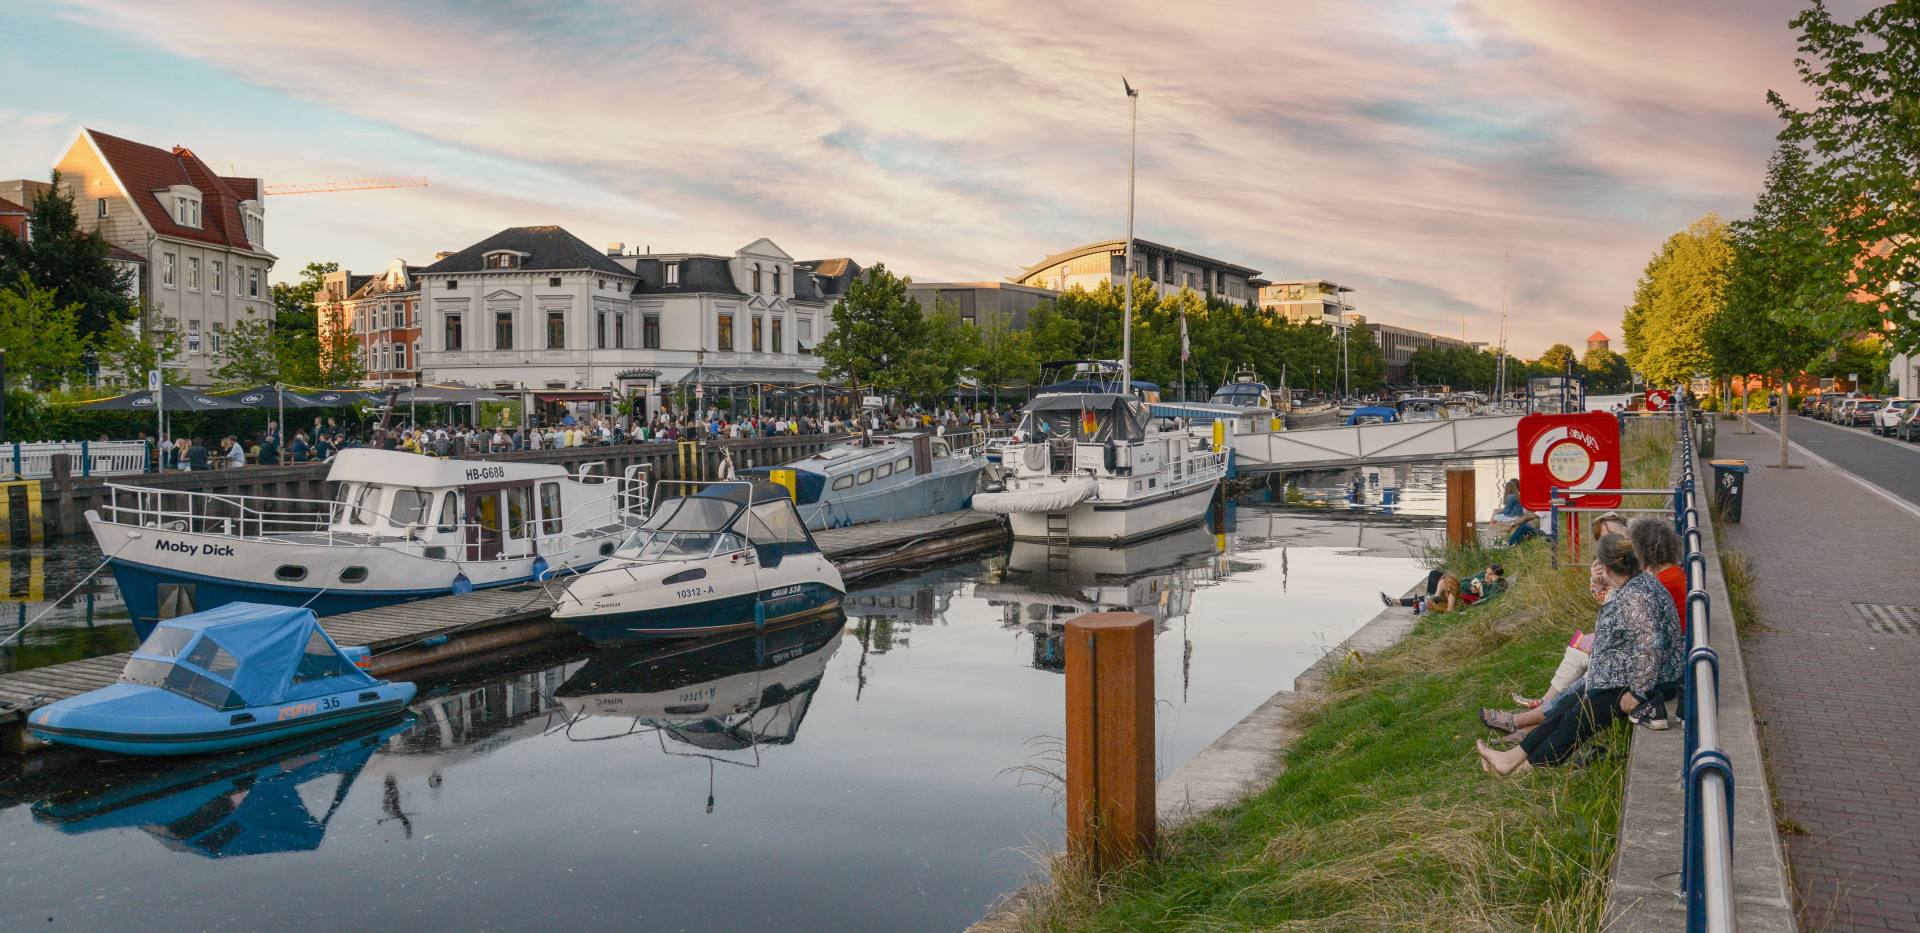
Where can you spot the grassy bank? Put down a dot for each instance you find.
(1382, 818)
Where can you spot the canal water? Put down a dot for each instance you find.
(893, 770)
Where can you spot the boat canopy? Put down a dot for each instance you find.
(244, 654)
(1089, 417)
(1373, 414)
(701, 522)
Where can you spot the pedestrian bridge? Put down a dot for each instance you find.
(1367, 444)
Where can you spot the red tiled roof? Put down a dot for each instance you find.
(143, 168)
(1597, 336)
(8, 207)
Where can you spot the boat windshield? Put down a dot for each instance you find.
(689, 526)
(1086, 425)
(201, 677)
(1239, 394)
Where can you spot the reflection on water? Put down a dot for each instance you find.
(1405, 489)
(90, 622)
(825, 776)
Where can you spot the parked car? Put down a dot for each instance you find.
(1837, 408)
(1890, 415)
(1809, 403)
(1861, 411)
(1823, 405)
(1909, 427)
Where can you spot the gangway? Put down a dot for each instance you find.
(1335, 448)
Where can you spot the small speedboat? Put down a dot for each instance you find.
(713, 557)
(241, 675)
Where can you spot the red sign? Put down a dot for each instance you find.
(1658, 399)
(1569, 452)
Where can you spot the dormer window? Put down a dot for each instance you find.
(502, 259)
(673, 273)
(186, 211)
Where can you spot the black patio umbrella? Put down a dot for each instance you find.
(447, 395)
(177, 399)
(273, 398)
(338, 398)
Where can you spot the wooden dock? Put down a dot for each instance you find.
(445, 629)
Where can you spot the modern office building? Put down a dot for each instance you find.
(1398, 344)
(1306, 301)
(979, 302)
(1168, 268)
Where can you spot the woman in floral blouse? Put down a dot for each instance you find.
(1638, 657)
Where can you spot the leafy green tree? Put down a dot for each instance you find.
(69, 261)
(1680, 291)
(295, 312)
(1006, 357)
(876, 333)
(1861, 140)
(1606, 371)
(41, 338)
(251, 354)
(1555, 360)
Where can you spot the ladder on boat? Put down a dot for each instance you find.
(1058, 537)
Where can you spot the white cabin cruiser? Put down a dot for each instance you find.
(400, 527)
(1084, 467)
(713, 557)
(880, 478)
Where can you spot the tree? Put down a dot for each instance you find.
(1862, 146)
(251, 355)
(140, 347)
(1677, 296)
(946, 347)
(876, 329)
(295, 312)
(1556, 358)
(70, 262)
(1006, 357)
(1606, 370)
(40, 337)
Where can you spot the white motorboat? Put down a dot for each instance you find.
(713, 557)
(400, 527)
(1085, 467)
(882, 478)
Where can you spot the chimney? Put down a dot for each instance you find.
(616, 248)
(442, 255)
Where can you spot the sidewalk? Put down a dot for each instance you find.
(1836, 682)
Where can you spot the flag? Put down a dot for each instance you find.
(1186, 350)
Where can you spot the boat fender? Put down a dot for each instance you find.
(461, 584)
(540, 569)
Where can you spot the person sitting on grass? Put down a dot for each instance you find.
(1448, 593)
(1637, 658)
(1520, 523)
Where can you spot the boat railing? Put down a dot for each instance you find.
(1197, 466)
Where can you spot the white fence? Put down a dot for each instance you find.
(90, 458)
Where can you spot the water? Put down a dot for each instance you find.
(894, 772)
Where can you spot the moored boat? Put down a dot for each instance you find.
(880, 478)
(241, 675)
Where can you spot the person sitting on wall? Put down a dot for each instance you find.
(1638, 657)
(1519, 523)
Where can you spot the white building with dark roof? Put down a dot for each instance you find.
(536, 310)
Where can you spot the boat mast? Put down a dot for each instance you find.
(1500, 368)
(1126, 320)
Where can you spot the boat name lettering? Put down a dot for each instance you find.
(486, 473)
(190, 550)
(779, 591)
(298, 710)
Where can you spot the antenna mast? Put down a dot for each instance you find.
(1500, 366)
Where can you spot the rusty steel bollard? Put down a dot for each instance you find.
(1462, 527)
(1110, 789)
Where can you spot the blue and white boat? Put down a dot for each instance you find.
(1373, 414)
(713, 557)
(880, 478)
(400, 527)
(241, 675)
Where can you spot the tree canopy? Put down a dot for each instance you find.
(1678, 294)
(69, 262)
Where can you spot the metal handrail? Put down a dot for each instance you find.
(1706, 863)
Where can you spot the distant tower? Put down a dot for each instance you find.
(1598, 341)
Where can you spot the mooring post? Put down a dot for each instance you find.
(66, 518)
(1461, 528)
(1110, 791)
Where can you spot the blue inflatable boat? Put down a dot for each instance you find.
(241, 675)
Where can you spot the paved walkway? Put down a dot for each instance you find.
(1836, 672)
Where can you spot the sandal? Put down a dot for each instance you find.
(1499, 721)
(1529, 703)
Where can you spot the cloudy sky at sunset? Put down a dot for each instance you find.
(1397, 147)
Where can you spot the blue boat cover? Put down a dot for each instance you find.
(1374, 411)
(244, 654)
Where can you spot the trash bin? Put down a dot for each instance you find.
(1729, 485)
(1707, 430)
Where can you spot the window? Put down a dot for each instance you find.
(553, 281)
(619, 328)
(517, 509)
(883, 471)
(866, 476)
(673, 273)
(503, 330)
(253, 283)
(843, 482)
(550, 508)
(726, 332)
(193, 273)
(600, 330)
(166, 269)
(216, 281)
(650, 332)
(775, 523)
(556, 330)
(503, 260)
(410, 506)
(453, 285)
(805, 336)
(779, 345)
(416, 351)
(353, 575)
(756, 334)
(213, 337)
(100, 208)
(776, 281)
(756, 278)
(399, 356)
(452, 329)
(901, 465)
(320, 661)
(193, 336)
(292, 573)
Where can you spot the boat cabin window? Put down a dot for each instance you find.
(843, 482)
(210, 657)
(146, 667)
(1239, 394)
(550, 508)
(320, 661)
(450, 512)
(366, 504)
(940, 449)
(775, 522)
(883, 471)
(166, 642)
(1086, 425)
(865, 477)
(410, 506)
(904, 464)
(519, 505)
(692, 513)
(489, 517)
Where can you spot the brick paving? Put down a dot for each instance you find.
(1838, 701)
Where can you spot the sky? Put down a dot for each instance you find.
(1409, 150)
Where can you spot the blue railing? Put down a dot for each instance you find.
(1706, 861)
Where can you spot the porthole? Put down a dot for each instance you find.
(292, 573)
(685, 576)
(606, 548)
(353, 575)
(434, 553)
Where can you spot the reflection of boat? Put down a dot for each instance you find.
(240, 675)
(720, 694)
(403, 527)
(272, 798)
(713, 557)
(880, 479)
(1087, 467)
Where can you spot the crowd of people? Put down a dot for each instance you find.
(325, 437)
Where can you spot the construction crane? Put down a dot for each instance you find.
(354, 184)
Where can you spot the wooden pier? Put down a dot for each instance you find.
(446, 629)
